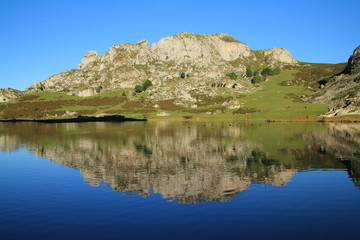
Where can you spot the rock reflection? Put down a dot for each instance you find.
(342, 142)
(186, 162)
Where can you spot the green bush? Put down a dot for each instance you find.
(257, 79)
(270, 72)
(138, 88)
(183, 75)
(232, 75)
(277, 71)
(249, 72)
(267, 72)
(146, 84)
(98, 89)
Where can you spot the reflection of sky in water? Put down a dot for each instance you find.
(49, 201)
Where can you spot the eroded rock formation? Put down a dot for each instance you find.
(205, 58)
(342, 92)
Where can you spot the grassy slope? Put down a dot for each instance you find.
(274, 101)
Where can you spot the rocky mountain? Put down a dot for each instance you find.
(9, 94)
(342, 91)
(204, 60)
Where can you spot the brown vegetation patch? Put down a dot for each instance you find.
(55, 113)
(2, 107)
(86, 112)
(205, 100)
(138, 110)
(143, 110)
(115, 111)
(133, 105)
(205, 110)
(101, 101)
(33, 109)
(169, 105)
(29, 97)
(245, 111)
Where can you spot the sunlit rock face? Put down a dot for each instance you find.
(279, 55)
(205, 57)
(186, 162)
(341, 91)
(9, 94)
(200, 47)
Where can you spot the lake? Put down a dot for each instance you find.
(179, 180)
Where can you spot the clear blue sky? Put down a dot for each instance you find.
(41, 38)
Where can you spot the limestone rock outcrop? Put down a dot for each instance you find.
(199, 47)
(205, 58)
(279, 55)
(342, 92)
(9, 94)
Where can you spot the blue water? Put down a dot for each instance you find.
(42, 199)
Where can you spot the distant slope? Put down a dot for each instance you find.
(342, 91)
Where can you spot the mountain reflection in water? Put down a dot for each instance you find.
(189, 162)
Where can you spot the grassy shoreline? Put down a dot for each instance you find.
(277, 100)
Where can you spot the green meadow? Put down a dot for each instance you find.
(273, 101)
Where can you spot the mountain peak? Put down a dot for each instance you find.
(206, 57)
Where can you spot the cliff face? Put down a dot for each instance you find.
(342, 92)
(205, 58)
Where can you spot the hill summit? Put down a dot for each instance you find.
(206, 58)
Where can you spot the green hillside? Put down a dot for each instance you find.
(280, 97)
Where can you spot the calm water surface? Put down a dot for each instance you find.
(179, 180)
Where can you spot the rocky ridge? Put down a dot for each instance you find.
(342, 92)
(9, 94)
(204, 58)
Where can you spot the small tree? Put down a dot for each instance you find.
(256, 73)
(257, 79)
(267, 72)
(138, 88)
(232, 76)
(249, 72)
(183, 75)
(98, 89)
(146, 84)
(277, 71)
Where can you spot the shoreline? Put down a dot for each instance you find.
(110, 118)
(121, 118)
